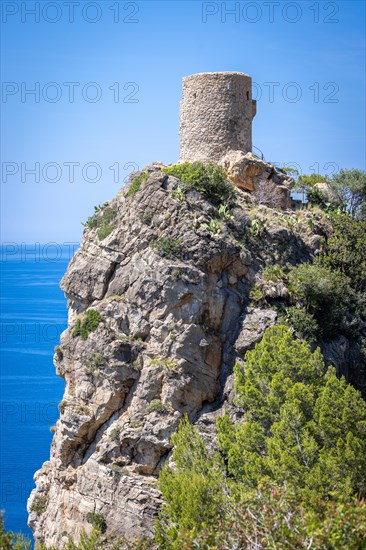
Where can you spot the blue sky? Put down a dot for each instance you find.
(310, 54)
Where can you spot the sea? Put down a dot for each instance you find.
(33, 315)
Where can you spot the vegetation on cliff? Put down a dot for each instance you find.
(343, 191)
(288, 475)
(292, 473)
(208, 179)
(288, 470)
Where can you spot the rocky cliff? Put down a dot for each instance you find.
(159, 310)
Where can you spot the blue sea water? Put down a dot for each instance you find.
(33, 315)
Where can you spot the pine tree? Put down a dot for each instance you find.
(302, 426)
(289, 474)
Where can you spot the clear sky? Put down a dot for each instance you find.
(107, 80)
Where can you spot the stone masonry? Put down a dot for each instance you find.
(215, 116)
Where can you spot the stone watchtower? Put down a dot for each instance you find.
(216, 114)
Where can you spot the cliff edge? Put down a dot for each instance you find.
(159, 311)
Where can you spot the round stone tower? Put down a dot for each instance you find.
(216, 114)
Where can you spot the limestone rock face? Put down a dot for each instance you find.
(175, 315)
(249, 172)
(254, 324)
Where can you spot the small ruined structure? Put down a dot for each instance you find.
(216, 114)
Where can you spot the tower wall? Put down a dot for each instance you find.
(216, 113)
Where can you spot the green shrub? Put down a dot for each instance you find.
(115, 434)
(213, 227)
(192, 491)
(301, 321)
(105, 231)
(168, 247)
(83, 409)
(274, 274)
(275, 519)
(39, 505)
(103, 220)
(136, 184)
(157, 406)
(315, 196)
(146, 217)
(10, 540)
(58, 352)
(278, 352)
(325, 294)
(97, 520)
(345, 250)
(178, 194)
(306, 183)
(94, 364)
(272, 285)
(92, 221)
(86, 323)
(98, 361)
(107, 216)
(209, 179)
(94, 541)
(256, 227)
(97, 540)
(6, 538)
(169, 363)
(224, 213)
(135, 425)
(256, 294)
